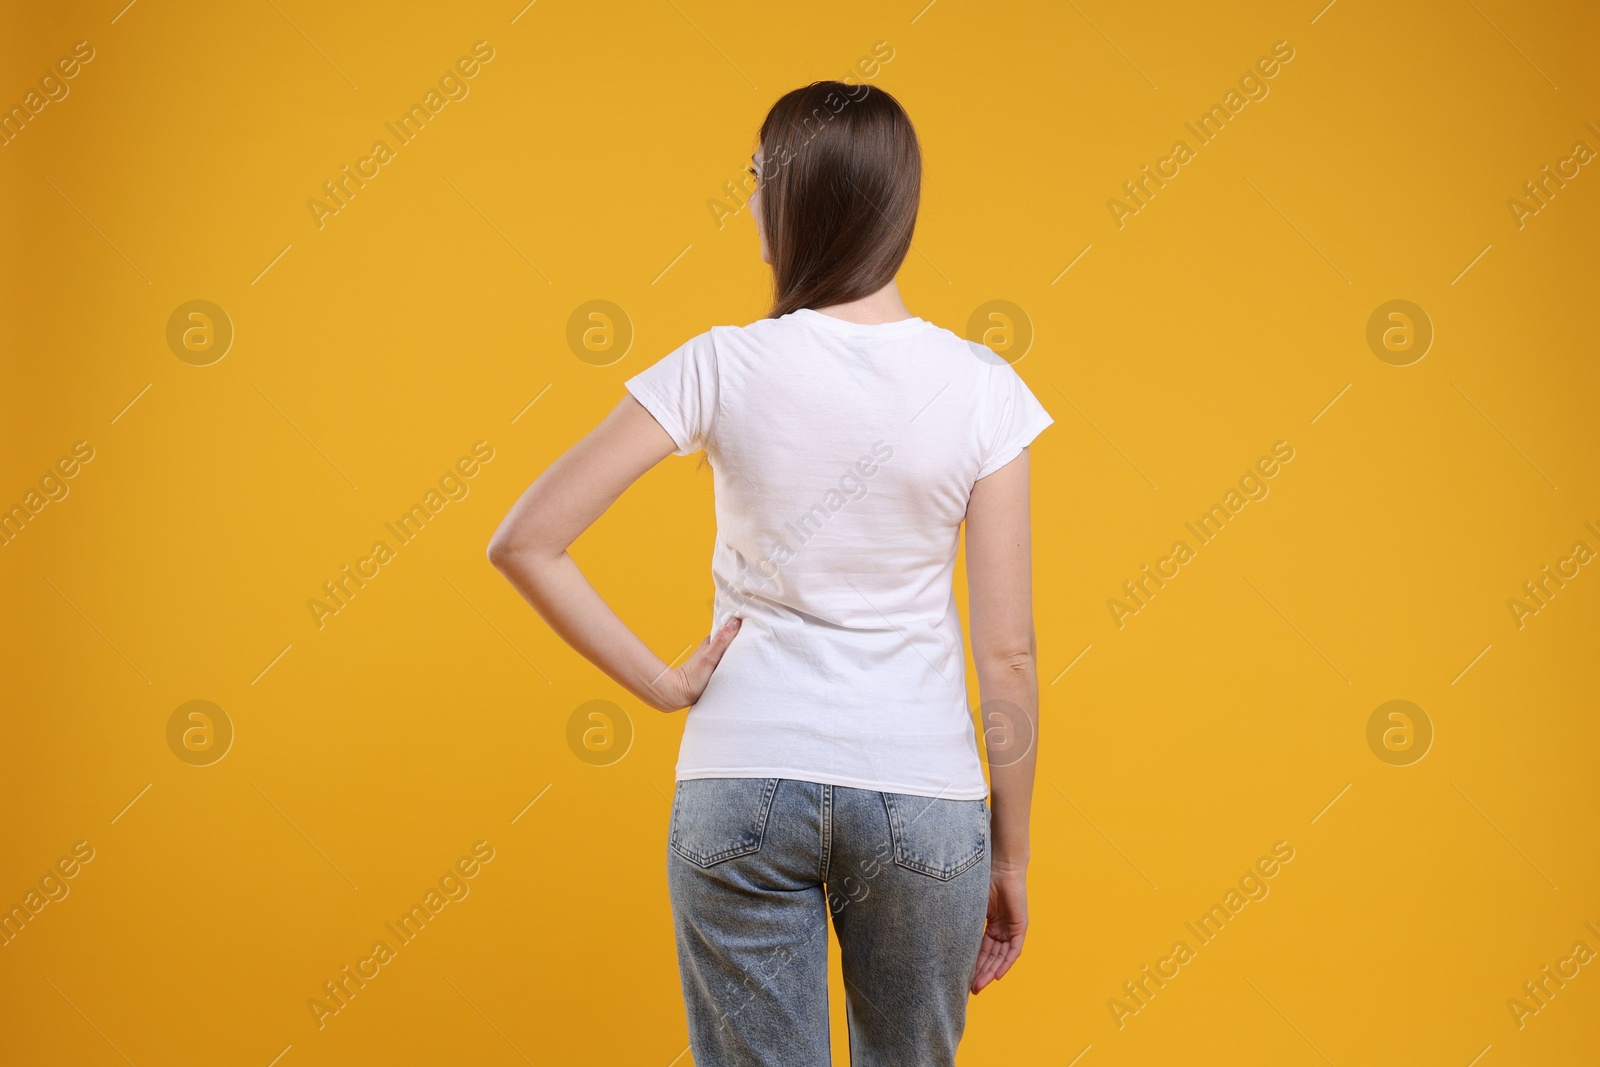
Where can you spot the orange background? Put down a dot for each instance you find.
(369, 354)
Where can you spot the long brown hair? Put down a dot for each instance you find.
(840, 181)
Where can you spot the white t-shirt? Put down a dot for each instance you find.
(843, 458)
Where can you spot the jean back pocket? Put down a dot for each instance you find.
(716, 819)
(937, 837)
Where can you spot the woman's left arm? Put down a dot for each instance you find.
(530, 549)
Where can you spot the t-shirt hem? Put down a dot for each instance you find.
(1014, 447)
(659, 410)
(832, 779)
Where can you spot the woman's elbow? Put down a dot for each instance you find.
(497, 552)
(504, 547)
(1018, 664)
(1017, 655)
(517, 546)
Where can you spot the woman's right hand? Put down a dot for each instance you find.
(679, 687)
(1006, 925)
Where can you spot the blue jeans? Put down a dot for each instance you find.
(755, 866)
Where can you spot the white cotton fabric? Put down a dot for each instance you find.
(843, 458)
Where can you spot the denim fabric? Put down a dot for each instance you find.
(755, 867)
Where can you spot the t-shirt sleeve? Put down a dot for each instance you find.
(1013, 418)
(680, 391)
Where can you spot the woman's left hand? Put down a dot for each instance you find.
(680, 687)
(1006, 925)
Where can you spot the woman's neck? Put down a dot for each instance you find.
(884, 305)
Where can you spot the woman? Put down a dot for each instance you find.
(828, 762)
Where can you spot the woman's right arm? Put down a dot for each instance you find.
(1000, 606)
(530, 549)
